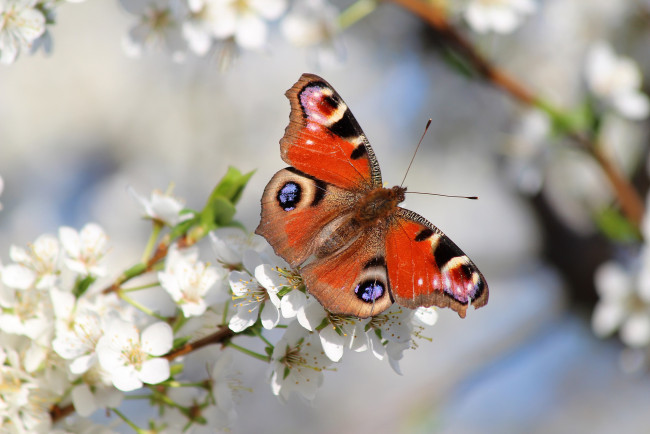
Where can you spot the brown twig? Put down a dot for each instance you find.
(629, 199)
(219, 337)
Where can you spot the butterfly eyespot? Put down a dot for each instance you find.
(369, 290)
(289, 196)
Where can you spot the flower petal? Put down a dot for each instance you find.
(157, 339)
(154, 371)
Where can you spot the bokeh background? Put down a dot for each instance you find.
(80, 125)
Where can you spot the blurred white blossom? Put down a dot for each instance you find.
(500, 16)
(244, 20)
(159, 26)
(38, 266)
(21, 23)
(617, 81)
(622, 306)
(161, 207)
(85, 249)
(313, 24)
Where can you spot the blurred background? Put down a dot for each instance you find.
(78, 126)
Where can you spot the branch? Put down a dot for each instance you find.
(630, 200)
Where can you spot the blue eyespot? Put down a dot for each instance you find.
(369, 290)
(289, 196)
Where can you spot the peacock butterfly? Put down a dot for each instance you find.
(329, 214)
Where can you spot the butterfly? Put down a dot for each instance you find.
(329, 214)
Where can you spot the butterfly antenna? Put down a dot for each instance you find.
(416, 151)
(443, 195)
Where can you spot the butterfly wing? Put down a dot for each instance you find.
(426, 268)
(298, 213)
(333, 165)
(324, 140)
(353, 280)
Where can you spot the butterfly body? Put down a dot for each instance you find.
(329, 214)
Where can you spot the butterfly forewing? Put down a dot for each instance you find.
(324, 139)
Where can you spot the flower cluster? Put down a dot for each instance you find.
(71, 341)
(181, 27)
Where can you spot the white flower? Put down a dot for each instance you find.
(130, 357)
(79, 327)
(39, 266)
(251, 296)
(244, 20)
(395, 326)
(297, 363)
(500, 16)
(427, 316)
(159, 26)
(25, 397)
(29, 313)
(313, 24)
(87, 399)
(617, 81)
(161, 207)
(188, 280)
(229, 245)
(336, 332)
(20, 25)
(621, 306)
(84, 249)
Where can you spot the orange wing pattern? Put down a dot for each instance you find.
(296, 208)
(426, 268)
(324, 139)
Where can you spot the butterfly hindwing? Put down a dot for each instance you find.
(353, 280)
(426, 268)
(296, 208)
(324, 139)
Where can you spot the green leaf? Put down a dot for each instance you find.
(175, 369)
(179, 342)
(220, 208)
(83, 285)
(231, 185)
(615, 226)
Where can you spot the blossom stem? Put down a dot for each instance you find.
(356, 12)
(259, 334)
(140, 306)
(151, 243)
(259, 356)
(141, 287)
(630, 200)
(128, 421)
